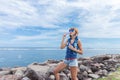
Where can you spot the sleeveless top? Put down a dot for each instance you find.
(70, 54)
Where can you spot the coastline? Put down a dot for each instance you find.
(89, 68)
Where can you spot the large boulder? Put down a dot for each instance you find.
(19, 73)
(31, 74)
(41, 72)
(101, 58)
(4, 73)
(18, 68)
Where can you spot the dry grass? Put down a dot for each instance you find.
(112, 76)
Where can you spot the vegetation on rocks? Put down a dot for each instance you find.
(112, 76)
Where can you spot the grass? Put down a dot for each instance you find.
(112, 76)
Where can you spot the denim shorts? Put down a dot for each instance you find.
(71, 63)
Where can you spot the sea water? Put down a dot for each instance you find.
(13, 57)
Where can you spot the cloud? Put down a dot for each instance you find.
(99, 24)
(34, 20)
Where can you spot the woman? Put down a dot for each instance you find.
(74, 47)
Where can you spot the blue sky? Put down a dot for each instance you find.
(41, 23)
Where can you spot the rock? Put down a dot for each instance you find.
(80, 76)
(101, 58)
(6, 69)
(31, 74)
(87, 78)
(69, 75)
(40, 71)
(105, 72)
(102, 72)
(63, 77)
(52, 61)
(96, 65)
(66, 71)
(101, 65)
(94, 76)
(18, 68)
(25, 78)
(94, 69)
(50, 71)
(99, 73)
(35, 63)
(117, 65)
(19, 74)
(8, 77)
(52, 77)
(1, 69)
(89, 68)
(81, 59)
(89, 71)
(83, 68)
(87, 62)
(85, 74)
(112, 69)
(4, 73)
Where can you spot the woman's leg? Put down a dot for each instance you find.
(74, 71)
(58, 68)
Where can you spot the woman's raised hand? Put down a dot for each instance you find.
(64, 35)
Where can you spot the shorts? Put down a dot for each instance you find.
(71, 63)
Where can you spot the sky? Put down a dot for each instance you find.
(41, 23)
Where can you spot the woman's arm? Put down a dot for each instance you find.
(63, 43)
(80, 50)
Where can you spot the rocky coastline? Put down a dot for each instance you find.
(89, 68)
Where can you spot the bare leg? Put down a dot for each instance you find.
(58, 68)
(74, 71)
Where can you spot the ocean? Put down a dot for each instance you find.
(14, 57)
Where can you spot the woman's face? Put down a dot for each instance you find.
(72, 32)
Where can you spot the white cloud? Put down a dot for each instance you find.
(99, 23)
(93, 16)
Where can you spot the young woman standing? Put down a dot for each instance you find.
(74, 47)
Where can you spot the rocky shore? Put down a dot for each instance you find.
(89, 68)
